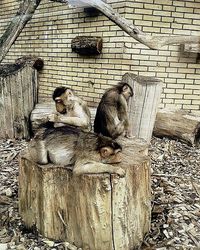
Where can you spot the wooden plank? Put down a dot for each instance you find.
(8, 108)
(2, 108)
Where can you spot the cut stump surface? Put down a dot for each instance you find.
(96, 211)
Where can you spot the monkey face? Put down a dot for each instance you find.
(60, 107)
(127, 92)
(110, 155)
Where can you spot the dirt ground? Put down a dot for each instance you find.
(175, 199)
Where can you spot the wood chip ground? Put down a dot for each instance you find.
(175, 200)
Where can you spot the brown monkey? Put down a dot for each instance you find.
(88, 152)
(71, 109)
(112, 112)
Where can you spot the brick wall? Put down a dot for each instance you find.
(49, 35)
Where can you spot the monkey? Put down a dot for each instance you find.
(87, 152)
(71, 109)
(112, 112)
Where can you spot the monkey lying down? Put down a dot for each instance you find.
(89, 153)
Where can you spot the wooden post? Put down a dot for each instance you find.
(18, 95)
(94, 212)
(144, 104)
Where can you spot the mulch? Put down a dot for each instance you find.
(175, 199)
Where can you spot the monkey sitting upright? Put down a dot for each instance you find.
(71, 110)
(88, 152)
(112, 112)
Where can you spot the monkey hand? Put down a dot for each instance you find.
(128, 134)
(120, 171)
(53, 118)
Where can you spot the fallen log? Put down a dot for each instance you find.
(178, 124)
(99, 211)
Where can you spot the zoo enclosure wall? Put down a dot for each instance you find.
(53, 26)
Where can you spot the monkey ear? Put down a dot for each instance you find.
(125, 87)
(58, 100)
(105, 152)
(69, 92)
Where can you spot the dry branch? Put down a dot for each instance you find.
(28, 7)
(153, 42)
(24, 14)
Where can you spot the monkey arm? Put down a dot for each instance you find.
(76, 121)
(93, 167)
(81, 121)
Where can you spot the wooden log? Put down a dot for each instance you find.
(39, 114)
(18, 95)
(87, 45)
(144, 104)
(33, 61)
(94, 212)
(178, 124)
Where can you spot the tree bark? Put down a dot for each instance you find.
(94, 212)
(178, 124)
(24, 14)
(87, 45)
(144, 104)
(33, 61)
(18, 95)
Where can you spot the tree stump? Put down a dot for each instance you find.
(40, 114)
(87, 45)
(18, 95)
(144, 104)
(93, 212)
(178, 124)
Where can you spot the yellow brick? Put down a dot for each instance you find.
(183, 101)
(191, 107)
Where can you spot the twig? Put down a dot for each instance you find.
(195, 188)
(193, 239)
(169, 175)
(61, 218)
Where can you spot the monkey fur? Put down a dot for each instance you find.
(112, 112)
(88, 152)
(71, 109)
